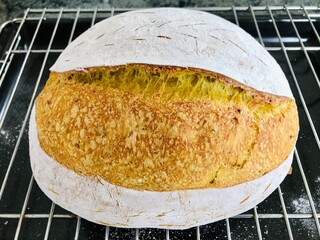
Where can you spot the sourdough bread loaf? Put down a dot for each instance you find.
(173, 106)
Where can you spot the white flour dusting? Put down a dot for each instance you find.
(301, 205)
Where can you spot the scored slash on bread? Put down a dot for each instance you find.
(162, 129)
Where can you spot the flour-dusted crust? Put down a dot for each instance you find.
(176, 37)
(99, 201)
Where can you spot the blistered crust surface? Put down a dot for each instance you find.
(146, 142)
(176, 37)
(99, 201)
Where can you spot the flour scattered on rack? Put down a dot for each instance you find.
(301, 205)
(4, 133)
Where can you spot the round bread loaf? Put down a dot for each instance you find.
(169, 106)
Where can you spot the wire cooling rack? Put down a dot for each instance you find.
(30, 45)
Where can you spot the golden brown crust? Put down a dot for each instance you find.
(148, 143)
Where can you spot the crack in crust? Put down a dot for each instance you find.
(163, 128)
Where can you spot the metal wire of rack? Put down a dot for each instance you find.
(30, 45)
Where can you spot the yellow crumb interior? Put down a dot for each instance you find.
(176, 85)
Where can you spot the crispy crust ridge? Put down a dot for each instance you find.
(149, 143)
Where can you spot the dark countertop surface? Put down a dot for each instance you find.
(14, 8)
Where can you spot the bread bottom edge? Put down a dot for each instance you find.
(101, 202)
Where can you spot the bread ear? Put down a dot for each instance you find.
(176, 37)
